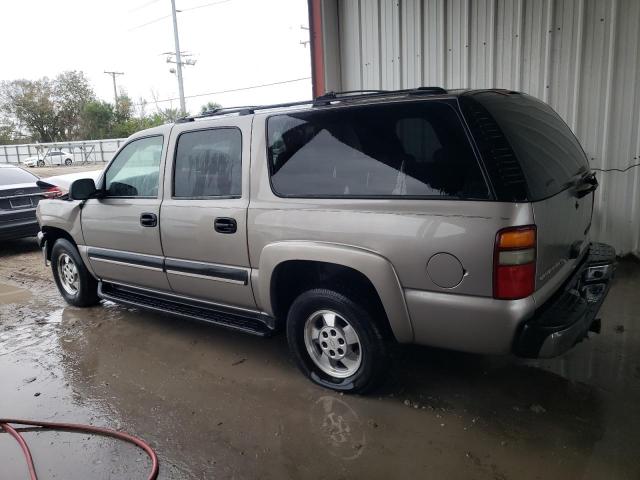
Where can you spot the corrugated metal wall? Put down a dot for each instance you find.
(580, 56)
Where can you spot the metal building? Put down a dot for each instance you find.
(580, 56)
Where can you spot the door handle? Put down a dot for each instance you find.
(149, 220)
(225, 225)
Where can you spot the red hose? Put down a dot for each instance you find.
(4, 424)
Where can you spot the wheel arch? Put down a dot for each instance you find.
(354, 262)
(51, 234)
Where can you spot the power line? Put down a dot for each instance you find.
(149, 23)
(203, 6)
(178, 11)
(144, 5)
(231, 90)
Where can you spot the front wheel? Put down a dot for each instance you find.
(336, 342)
(74, 281)
(68, 162)
(41, 163)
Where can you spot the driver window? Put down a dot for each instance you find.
(135, 171)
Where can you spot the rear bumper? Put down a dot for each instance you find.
(18, 227)
(568, 316)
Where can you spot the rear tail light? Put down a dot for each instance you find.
(52, 192)
(514, 270)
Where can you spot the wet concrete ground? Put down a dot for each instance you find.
(218, 404)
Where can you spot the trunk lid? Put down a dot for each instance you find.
(19, 196)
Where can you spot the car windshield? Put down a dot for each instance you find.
(14, 175)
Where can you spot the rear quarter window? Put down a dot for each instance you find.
(547, 151)
(404, 150)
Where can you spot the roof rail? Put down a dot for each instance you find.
(322, 100)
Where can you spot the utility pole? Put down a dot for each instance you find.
(115, 89)
(183, 109)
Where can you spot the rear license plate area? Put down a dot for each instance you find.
(24, 202)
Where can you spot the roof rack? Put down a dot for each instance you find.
(322, 100)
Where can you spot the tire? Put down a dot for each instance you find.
(41, 163)
(315, 308)
(68, 161)
(66, 263)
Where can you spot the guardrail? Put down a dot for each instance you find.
(83, 152)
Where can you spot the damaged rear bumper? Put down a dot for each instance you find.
(568, 316)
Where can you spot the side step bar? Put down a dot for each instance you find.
(247, 322)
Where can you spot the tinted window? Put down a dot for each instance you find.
(403, 149)
(136, 170)
(547, 151)
(208, 163)
(10, 176)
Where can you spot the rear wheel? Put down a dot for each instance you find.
(41, 163)
(336, 342)
(68, 161)
(75, 283)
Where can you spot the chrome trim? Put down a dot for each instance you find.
(36, 194)
(207, 277)
(116, 262)
(161, 292)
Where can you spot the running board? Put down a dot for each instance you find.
(247, 322)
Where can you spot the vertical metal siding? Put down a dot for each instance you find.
(580, 56)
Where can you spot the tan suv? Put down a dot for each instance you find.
(453, 219)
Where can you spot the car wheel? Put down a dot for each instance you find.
(68, 161)
(75, 283)
(41, 163)
(336, 342)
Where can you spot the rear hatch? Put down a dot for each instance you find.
(531, 155)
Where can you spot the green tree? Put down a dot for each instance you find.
(97, 120)
(71, 92)
(49, 110)
(209, 106)
(31, 104)
(124, 107)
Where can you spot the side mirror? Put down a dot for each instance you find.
(82, 189)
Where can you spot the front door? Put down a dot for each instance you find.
(204, 213)
(121, 230)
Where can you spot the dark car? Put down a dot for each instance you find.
(19, 196)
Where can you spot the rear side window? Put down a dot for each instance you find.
(208, 164)
(10, 176)
(548, 152)
(416, 149)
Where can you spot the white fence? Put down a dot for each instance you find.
(83, 152)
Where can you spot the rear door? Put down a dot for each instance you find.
(121, 230)
(204, 213)
(555, 168)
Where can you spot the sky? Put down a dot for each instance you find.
(236, 44)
